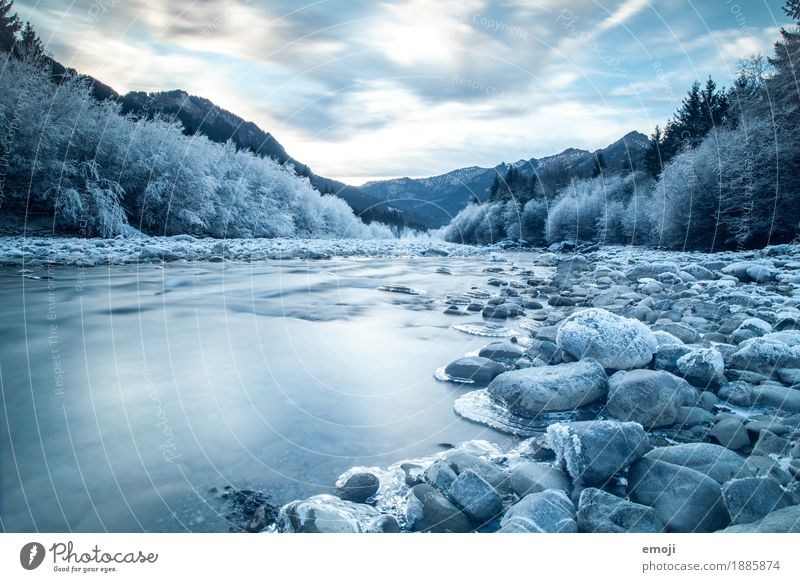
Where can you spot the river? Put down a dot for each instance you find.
(129, 392)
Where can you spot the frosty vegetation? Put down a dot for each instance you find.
(93, 171)
(723, 173)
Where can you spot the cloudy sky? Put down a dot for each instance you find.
(360, 89)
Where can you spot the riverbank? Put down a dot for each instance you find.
(650, 391)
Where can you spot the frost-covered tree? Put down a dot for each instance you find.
(80, 162)
(9, 26)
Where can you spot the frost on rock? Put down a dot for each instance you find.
(616, 342)
(325, 514)
(592, 452)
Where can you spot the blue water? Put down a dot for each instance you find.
(129, 391)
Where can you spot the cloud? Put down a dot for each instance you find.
(409, 87)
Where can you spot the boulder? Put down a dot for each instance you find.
(528, 477)
(325, 514)
(683, 332)
(474, 369)
(479, 500)
(550, 511)
(737, 393)
(704, 367)
(730, 433)
(715, 461)
(460, 461)
(601, 512)
(358, 487)
(764, 354)
(428, 510)
(502, 351)
(684, 499)
(784, 399)
(531, 391)
(440, 475)
(753, 498)
(651, 398)
(593, 451)
(786, 520)
(616, 342)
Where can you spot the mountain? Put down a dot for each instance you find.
(199, 115)
(440, 198)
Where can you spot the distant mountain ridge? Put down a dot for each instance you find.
(440, 198)
(416, 202)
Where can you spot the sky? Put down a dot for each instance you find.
(362, 90)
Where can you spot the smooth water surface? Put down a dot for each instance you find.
(129, 391)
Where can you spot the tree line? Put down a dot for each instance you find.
(723, 172)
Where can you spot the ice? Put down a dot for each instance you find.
(401, 289)
(443, 376)
(485, 329)
(479, 407)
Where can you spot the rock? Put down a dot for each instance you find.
(569, 270)
(737, 393)
(601, 512)
(359, 487)
(786, 520)
(665, 339)
(502, 351)
(479, 500)
(784, 399)
(531, 391)
(761, 466)
(761, 273)
(650, 270)
(503, 311)
(715, 461)
(325, 514)
(765, 354)
(528, 477)
(667, 356)
(615, 342)
(753, 325)
(428, 510)
(751, 499)
(651, 398)
(790, 376)
(689, 416)
(699, 272)
(684, 499)
(594, 451)
(550, 511)
(440, 475)
(771, 444)
(461, 461)
(475, 369)
(683, 332)
(730, 433)
(703, 367)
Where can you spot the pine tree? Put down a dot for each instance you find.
(652, 157)
(792, 9)
(29, 45)
(599, 165)
(9, 26)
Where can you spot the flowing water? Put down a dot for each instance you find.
(129, 392)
